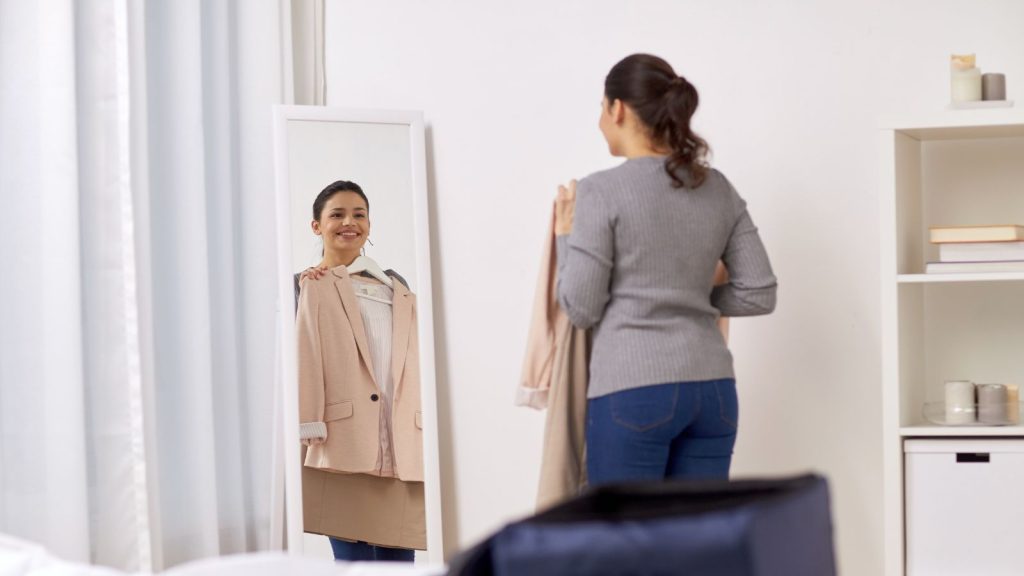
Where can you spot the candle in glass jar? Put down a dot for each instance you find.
(965, 85)
(964, 79)
(959, 402)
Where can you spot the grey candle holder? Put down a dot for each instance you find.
(993, 87)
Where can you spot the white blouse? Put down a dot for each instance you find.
(375, 301)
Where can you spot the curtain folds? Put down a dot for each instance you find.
(137, 245)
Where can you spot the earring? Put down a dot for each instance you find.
(370, 241)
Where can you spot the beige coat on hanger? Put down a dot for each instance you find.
(337, 385)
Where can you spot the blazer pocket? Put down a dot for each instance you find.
(338, 411)
(419, 419)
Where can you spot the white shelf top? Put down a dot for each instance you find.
(943, 278)
(949, 431)
(961, 124)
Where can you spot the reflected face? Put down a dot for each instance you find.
(344, 223)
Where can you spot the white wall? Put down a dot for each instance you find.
(791, 94)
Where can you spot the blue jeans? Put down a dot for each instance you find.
(681, 430)
(363, 552)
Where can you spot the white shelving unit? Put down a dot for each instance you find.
(963, 167)
(929, 431)
(940, 278)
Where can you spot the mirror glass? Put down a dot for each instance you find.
(357, 385)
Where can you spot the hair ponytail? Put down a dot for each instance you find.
(665, 103)
(688, 149)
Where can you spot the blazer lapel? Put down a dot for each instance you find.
(355, 318)
(401, 312)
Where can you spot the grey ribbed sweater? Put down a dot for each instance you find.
(638, 268)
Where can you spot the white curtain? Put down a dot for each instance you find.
(138, 290)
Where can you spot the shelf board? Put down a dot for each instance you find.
(974, 277)
(948, 431)
(962, 124)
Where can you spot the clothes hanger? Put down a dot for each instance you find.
(370, 266)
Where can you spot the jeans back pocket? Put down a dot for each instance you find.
(728, 403)
(645, 408)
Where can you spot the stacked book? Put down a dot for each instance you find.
(967, 249)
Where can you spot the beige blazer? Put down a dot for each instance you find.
(549, 327)
(554, 377)
(337, 384)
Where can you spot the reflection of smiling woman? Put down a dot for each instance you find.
(359, 396)
(342, 219)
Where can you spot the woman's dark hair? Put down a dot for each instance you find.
(331, 190)
(665, 104)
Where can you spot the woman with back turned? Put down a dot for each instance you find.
(637, 253)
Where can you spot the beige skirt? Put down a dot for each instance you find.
(359, 507)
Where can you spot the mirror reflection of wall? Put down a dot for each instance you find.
(350, 192)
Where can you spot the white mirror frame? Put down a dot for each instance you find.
(287, 405)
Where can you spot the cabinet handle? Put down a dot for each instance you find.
(969, 457)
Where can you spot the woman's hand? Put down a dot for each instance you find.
(313, 272)
(565, 208)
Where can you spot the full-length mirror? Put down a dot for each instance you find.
(358, 397)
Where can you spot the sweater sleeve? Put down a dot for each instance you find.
(310, 360)
(751, 290)
(585, 260)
